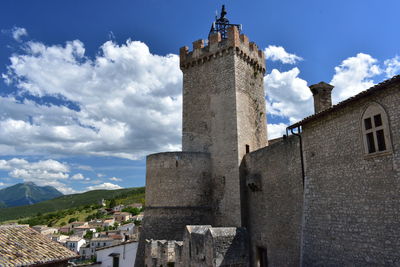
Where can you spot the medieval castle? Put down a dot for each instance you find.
(326, 194)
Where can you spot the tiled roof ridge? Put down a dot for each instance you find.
(377, 87)
(21, 245)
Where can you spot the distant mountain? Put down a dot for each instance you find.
(134, 195)
(26, 194)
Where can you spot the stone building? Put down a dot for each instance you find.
(326, 194)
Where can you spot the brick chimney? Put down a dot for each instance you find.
(322, 96)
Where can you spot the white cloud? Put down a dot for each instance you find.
(278, 53)
(287, 95)
(354, 75)
(78, 176)
(276, 130)
(18, 32)
(44, 172)
(115, 179)
(129, 101)
(392, 66)
(107, 186)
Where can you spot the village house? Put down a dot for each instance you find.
(65, 229)
(97, 223)
(122, 216)
(77, 224)
(127, 228)
(108, 222)
(122, 255)
(58, 238)
(118, 208)
(44, 230)
(83, 229)
(74, 243)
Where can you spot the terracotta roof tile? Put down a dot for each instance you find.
(21, 245)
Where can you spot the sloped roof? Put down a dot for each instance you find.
(379, 87)
(20, 245)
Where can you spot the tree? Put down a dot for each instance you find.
(88, 235)
(112, 204)
(72, 220)
(132, 210)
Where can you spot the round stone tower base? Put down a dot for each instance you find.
(178, 193)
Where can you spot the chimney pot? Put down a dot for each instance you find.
(322, 96)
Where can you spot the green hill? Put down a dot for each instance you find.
(72, 201)
(26, 194)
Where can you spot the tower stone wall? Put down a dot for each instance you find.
(224, 112)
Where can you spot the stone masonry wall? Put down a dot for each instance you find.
(272, 205)
(177, 194)
(352, 201)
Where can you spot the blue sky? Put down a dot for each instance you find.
(88, 88)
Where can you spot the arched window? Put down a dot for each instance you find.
(375, 130)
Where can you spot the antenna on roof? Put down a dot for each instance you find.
(222, 24)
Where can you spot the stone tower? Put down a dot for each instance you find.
(223, 119)
(224, 111)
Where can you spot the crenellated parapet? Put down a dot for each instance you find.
(217, 47)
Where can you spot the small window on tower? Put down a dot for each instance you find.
(375, 129)
(247, 149)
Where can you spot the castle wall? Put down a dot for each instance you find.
(272, 204)
(352, 201)
(226, 247)
(178, 193)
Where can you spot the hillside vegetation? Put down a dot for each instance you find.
(73, 202)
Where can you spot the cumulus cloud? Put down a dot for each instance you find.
(78, 176)
(107, 186)
(287, 95)
(278, 53)
(354, 75)
(392, 66)
(115, 179)
(18, 33)
(128, 101)
(44, 172)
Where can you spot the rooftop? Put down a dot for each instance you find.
(116, 245)
(379, 87)
(21, 245)
(74, 238)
